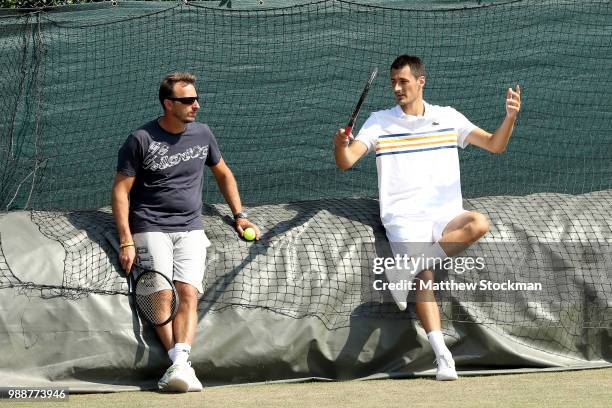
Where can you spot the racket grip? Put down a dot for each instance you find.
(348, 130)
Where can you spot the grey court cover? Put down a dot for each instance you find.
(300, 304)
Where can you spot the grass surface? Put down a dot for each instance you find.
(588, 388)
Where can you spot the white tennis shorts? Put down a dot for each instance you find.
(181, 256)
(411, 237)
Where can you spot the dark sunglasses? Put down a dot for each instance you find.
(189, 100)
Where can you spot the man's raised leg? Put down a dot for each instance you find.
(458, 234)
(462, 231)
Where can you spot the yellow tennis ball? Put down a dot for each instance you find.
(249, 234)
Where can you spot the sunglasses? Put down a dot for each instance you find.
(188, 100)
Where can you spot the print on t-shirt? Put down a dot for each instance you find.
(156, 157)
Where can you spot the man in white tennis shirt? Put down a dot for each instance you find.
(419, 184)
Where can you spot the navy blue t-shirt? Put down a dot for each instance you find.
(167, 193)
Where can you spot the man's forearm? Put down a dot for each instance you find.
(342, 157)
(347, 151)
(121, 208)
(229, 189)
(500, 138)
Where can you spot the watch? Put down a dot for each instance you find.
(239, 215)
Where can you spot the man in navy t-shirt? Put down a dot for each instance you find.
(157, 204)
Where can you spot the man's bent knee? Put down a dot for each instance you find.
(478, 226)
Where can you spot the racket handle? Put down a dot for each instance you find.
(130, 284)
(348, 129)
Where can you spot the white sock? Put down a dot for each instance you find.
(172, 354)
(437, 343)
(179, 354)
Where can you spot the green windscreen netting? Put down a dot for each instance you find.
(275, 85)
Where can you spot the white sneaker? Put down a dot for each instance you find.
(446, 368)
(396, 277)
(194, 383)
(176, 378)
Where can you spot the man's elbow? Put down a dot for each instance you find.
(497, 149)
(114, 194)
(343, 166)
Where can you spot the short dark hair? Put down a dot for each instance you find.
(166, 89)
(416, 65)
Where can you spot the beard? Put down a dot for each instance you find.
(403, 99)
(186, 118)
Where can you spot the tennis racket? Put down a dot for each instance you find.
(353, 117)
(154, 294)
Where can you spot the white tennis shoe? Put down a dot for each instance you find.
(446, 368)
(176, 378)
(194, 384)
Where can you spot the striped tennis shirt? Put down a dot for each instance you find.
(417, 162)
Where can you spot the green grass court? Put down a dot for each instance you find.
(589, 388)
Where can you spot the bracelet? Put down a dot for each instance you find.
(127, 244)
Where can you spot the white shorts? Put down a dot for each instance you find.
(420, 232)
(181, 256)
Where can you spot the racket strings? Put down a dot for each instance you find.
(155, 298)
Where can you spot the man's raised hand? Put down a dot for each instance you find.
(513, 102)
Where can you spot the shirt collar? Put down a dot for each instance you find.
(400, 113)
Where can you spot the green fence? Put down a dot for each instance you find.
(277, 83)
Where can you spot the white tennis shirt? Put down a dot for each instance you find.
(417, 162)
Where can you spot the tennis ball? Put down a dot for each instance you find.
(249, 234)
